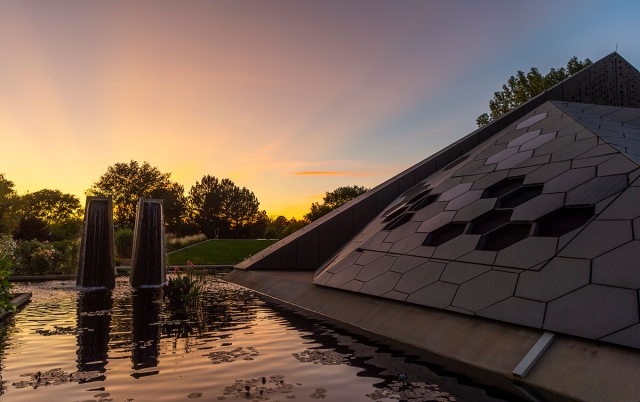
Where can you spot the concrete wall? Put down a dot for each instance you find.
(611, 81)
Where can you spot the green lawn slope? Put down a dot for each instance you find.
(218, 252)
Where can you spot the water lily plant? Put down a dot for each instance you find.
(182, 290)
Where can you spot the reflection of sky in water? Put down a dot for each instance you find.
(127, 344)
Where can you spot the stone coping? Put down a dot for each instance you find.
(20, 299)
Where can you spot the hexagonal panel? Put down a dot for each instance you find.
(505, 236)
(531, 120)
(436, 221)
(559, 277)
(490, 221)
(420, 277)
(593, 311)
(455, 192)
(485, 290)
(520, 196)
(524, 138)
(503, 187)
(564, 220)
(444, 234)
(538, 207)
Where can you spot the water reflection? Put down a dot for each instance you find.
(94, 320)
(146, 306)
(233, 345)
(404, 376)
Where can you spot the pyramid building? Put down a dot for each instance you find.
(532, 220)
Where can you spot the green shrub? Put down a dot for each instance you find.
(43, 258)
(7, 252)
(124, 242)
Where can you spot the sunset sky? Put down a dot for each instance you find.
(287, 98)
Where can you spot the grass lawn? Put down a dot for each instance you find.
(218, 252)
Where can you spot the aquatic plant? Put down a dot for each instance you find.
(182, 290)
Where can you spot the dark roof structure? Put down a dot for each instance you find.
(533, 219)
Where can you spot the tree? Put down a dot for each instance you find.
(52, 206)
(524, 86)
(10, 204)
(221, 208)
(333, 200)
(127, 182)
(282, 227)
(49, 215)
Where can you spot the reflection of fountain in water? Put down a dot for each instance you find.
(94, 320)
(147, 259)
(146, 304)
(96, 266)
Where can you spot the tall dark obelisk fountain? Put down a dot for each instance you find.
(96, 265)
(147, 258)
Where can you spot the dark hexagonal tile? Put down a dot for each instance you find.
(517, 311)
(592, 311)
(559, 277)
(505, 236)
(485, 290)
(420, 277)
(619, 267)
(437, 295)
(564, 220)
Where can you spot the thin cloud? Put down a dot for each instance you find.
(331, 173)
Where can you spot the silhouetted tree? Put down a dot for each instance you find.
(333, 200)
(126, 182)
(524, 86)
(282, 227)
(9, 206)
(220, 207)
(50, 215)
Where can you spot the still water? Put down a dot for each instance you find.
(127, 345)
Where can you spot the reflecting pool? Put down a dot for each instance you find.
(127, 345)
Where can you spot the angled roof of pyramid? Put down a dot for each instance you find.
(620, 127)
(610, 81)
(534, 226)
(533, 219)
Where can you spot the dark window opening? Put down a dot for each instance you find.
(456, 162)
(505, 236)
(417, 197)
(401, 220)
(444, 234)
(490, 220)
(520, 196)
(428, 200)
(394, 214)
(564, 220)
(504, 186)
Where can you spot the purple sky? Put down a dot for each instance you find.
(287, 98)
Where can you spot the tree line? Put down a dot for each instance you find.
(524, 86)
(215, 207)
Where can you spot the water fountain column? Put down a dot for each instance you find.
(147, 258)
(96, 264)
